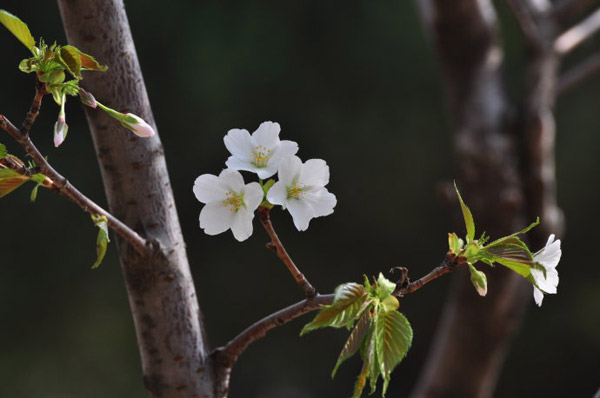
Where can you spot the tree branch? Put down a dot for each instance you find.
(277, 247)
(566, 9)
(226, 356)
(60, 183)
(573, 37)
(578, 74)
(524, 16)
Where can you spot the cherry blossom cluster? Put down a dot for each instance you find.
(230, 203)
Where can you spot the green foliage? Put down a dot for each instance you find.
(380, 334)
(102, 241)
(10, 180)
(3, 151)
(469, 223)
(348, 301)
(18, 28)
(40, 179)
(455, 244)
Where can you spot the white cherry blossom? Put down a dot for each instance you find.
(301, 190)
(261, 152)
(230, 203)
(548, 258)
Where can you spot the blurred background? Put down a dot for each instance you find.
(354, 83)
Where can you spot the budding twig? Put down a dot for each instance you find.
(60, 183)
(276, 246)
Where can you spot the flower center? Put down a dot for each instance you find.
(260, 156)
(296, 190)
(233, 201)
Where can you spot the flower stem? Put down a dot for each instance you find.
(277, 247)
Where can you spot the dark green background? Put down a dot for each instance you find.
(354, 83)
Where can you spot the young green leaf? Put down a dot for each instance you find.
(455, 244)
(346, 306)
(102, 241)
(522, 269)
(384, 287)
(71, 60)
(10, 180)
(89, 63)
(354, 341)
(469, 223)
(3, 151)
(361, 380)
(18, 28)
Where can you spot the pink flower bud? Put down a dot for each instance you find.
(87, 98)
(60, 131)
(140, 128)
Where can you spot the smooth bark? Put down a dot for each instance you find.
(174, 354)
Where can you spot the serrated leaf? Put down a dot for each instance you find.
(361, 380)
(469, 223)
(71, 59)
(89, 63)
(10, 180)
(513, 249)
(3, 151)
(354, 341)
(384, 287)
(346, 306)
(522, 269)
(393, 337)
(102, 241)
(18, 28)
(521, 232)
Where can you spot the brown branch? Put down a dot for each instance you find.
(226, 356)
(574, 36)
(566, 9)
(277, 247)
(62, 186)
(34, 110)
(578, 74)
(448, 265)
(524, 16)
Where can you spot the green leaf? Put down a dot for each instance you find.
(34, 192)
(524, 230)
(393, 337)
(469, 223)
(513, 249)
(384, 287)
(522, 269)
(455, 244)
(102, 241)
(71, 59)
(354, 341)
(346, 306)
(10, 180)
(361, 380)
(3, 151)
(17, 28)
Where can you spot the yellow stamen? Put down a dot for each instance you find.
(260, 156)
(233, 201)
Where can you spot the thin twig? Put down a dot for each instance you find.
(524, 16)
(578, 74)
(34, 110)
(567, 9)
(277, 247)
(227, 355)
(448, 265)
(574, 36)
(63, 186)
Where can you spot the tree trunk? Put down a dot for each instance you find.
(174, 353)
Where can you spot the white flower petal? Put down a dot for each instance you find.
(301, 213)
(266, 172)
(238, 142)
(538, 296)
(208, 188)
(544, 283)
(549, 256)
(267, 135)
(215, 218)
(241, 225)
(232, 179)
(289, 170)
(284, 150)
(239, 164)
(253, 196)
(277, 195)
(315, 172)
(321, 202)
